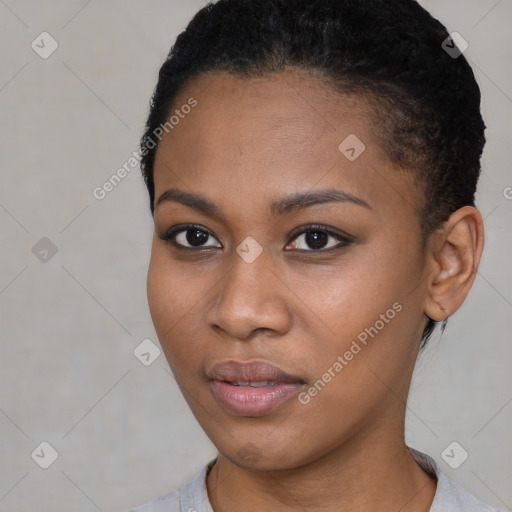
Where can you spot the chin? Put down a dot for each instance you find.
(253, 457)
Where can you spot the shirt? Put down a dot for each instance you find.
(193, 496)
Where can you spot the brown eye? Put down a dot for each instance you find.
(193, 237)
(317, 238)
(190, 237)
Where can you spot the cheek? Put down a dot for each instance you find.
(166, 306)
(158, 289)
(175, 301)
(367, 302)
(170, 293)
(376, 336)
(344, 299)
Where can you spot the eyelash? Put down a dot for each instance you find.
(344, 239)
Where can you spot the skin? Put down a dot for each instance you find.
(250, 142)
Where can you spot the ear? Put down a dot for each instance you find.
(454, 252)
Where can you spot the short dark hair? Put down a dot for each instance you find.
(390, 52)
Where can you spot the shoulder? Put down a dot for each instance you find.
(453, 497)
(449, 497)
(169, 502)
(192, 497)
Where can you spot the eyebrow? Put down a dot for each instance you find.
(279, 207)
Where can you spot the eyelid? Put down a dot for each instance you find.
(339, 235)
(343, 238)
(168, 235)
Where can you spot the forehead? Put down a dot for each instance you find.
(271, 113)
(263, 135)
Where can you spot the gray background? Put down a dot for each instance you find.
(70, 325)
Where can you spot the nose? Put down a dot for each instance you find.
(251, 298)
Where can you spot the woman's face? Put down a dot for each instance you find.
(278, 271)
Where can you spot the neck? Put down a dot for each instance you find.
(364, 474)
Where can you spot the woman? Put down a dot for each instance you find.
(311, 166)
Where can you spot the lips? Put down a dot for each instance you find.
(252, 388)
(251, 372)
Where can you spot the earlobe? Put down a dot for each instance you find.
(455, 254)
